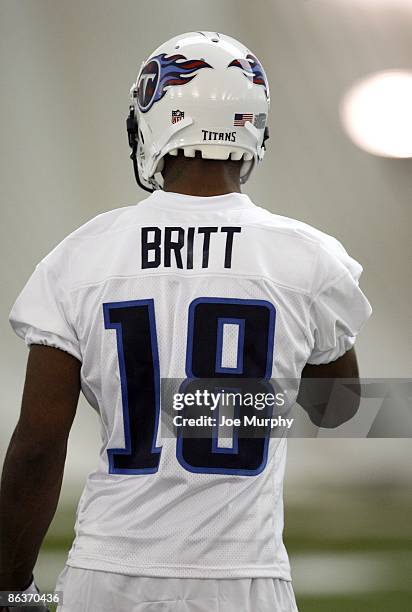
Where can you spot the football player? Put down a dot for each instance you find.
(194, 282)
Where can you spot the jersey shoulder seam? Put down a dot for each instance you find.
(188, 275)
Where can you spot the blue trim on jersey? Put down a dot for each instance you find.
(227, 471)
(215, 300)
(189, 374)
(229, 450)
(221, 322)
(122, 370)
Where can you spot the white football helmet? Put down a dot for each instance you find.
(201, 91)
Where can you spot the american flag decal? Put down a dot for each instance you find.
(241, 118)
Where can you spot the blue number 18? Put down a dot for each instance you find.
(135, 326)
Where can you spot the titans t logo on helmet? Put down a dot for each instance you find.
(164, 71)
(253, 70)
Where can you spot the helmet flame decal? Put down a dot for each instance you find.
(162, 72)
(253, 70)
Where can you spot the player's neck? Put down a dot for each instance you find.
(203, 188)
(201, 178)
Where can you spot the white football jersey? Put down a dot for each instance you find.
(187, 287)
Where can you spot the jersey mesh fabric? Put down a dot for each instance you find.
(230, 343)
(177, 523)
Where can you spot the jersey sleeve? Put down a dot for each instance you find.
(41, 313)
(339, 308)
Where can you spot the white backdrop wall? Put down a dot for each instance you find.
(65, 73)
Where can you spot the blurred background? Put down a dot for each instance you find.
(339, 158)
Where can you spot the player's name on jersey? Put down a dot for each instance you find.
(224, 421)
(187, 247)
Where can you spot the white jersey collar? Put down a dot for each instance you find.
(169, 200)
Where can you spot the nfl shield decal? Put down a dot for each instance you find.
(164, 71)
(177, 115)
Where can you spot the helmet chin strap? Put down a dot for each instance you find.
(133, 157)
(133, 137)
